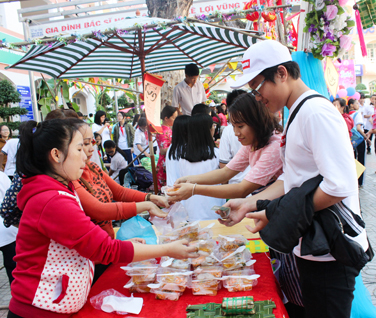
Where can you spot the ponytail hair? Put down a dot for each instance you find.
(36, 143)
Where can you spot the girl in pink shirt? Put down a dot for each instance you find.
(259, 133)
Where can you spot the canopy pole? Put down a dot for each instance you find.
(116, 99)
(33, 90)
(151, 149)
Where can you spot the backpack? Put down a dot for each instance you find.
(356, 138)
(141, 177)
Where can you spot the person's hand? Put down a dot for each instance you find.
(260, 221)
(183, 192)
(155, 211)
(159, 201)
(137, 240)
(181, 250)
(182, 180)
(147, 155)
(239, 208)
(107, 125)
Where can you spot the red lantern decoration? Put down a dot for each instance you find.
(269, 17)
(252, 16)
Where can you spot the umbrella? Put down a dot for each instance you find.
(134, 46)
(156, 45)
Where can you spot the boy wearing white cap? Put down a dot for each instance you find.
(317, 143)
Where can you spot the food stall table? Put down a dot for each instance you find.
(114, 277)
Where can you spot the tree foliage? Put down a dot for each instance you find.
(8, 93)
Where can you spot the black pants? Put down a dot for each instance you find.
(327, 288)
(128, 155)
(98, 271)
(359, 154)
(370, 138)
(12, 315)
(9, 251)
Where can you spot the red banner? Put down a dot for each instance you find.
(152, 101)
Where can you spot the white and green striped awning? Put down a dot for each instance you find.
(120, 55)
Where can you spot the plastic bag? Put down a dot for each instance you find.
(137, 227)
(97, 301)
(177, 217)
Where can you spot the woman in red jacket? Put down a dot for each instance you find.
(56, 241)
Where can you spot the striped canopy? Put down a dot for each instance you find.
(121, 54)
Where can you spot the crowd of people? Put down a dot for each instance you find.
(68, 175)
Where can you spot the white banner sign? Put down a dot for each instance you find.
(103, 22)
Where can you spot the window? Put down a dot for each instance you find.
(76, 100)
(349, 55)
(371, 51)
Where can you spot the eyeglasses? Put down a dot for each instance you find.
(255, 92)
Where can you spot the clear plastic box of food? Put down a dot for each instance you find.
(207, 287)
(163, 295)
(231, 242)
(189, 232)
(142, 275)
(210, 260)
(164, 239)
(204, 247)
(172, 275)
(144, 263)
(184, 264)
(239, 272)
(168, 287)
(235, 259)
(137, 288)
(207, 272)
(240, 283)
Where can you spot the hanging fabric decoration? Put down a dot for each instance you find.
(152, 98)
(269, 17)
(360, 32)
(233, 76)
(211, 67)
(233, 65)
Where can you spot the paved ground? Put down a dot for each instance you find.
(368, 202)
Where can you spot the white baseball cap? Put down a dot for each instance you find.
(260, 56)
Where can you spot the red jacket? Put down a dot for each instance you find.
(56, 245)
(349, 122)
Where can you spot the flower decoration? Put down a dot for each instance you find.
(329, 27)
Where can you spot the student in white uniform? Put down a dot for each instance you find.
(316, 143)
(140, 140)
(195, 155)
(101, 127)
(10, 149)
(118, 161)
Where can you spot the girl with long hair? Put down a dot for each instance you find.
(259, 133)
(100, 126)
(56, 242)
(193, 151)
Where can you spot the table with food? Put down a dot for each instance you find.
(225, 280)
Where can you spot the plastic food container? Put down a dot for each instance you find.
(205, 287)
(163, 295)
(204, 247)
(231, 242)
(163, 239)
(235, 259)
(204, 261)
(189, 232)
(207, 272)
(182, 264)
(174, 276)
(240, 283)
(142, 275)
(137, 288)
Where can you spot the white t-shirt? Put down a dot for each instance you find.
(10, 149)
(105, 134)
(228, 148)
(123, 142)
(117, 163)
(358, 119)
(317, 143)
(188, 96)
(7, 235)
(368, 110)
(140, 139)
(198, 206)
